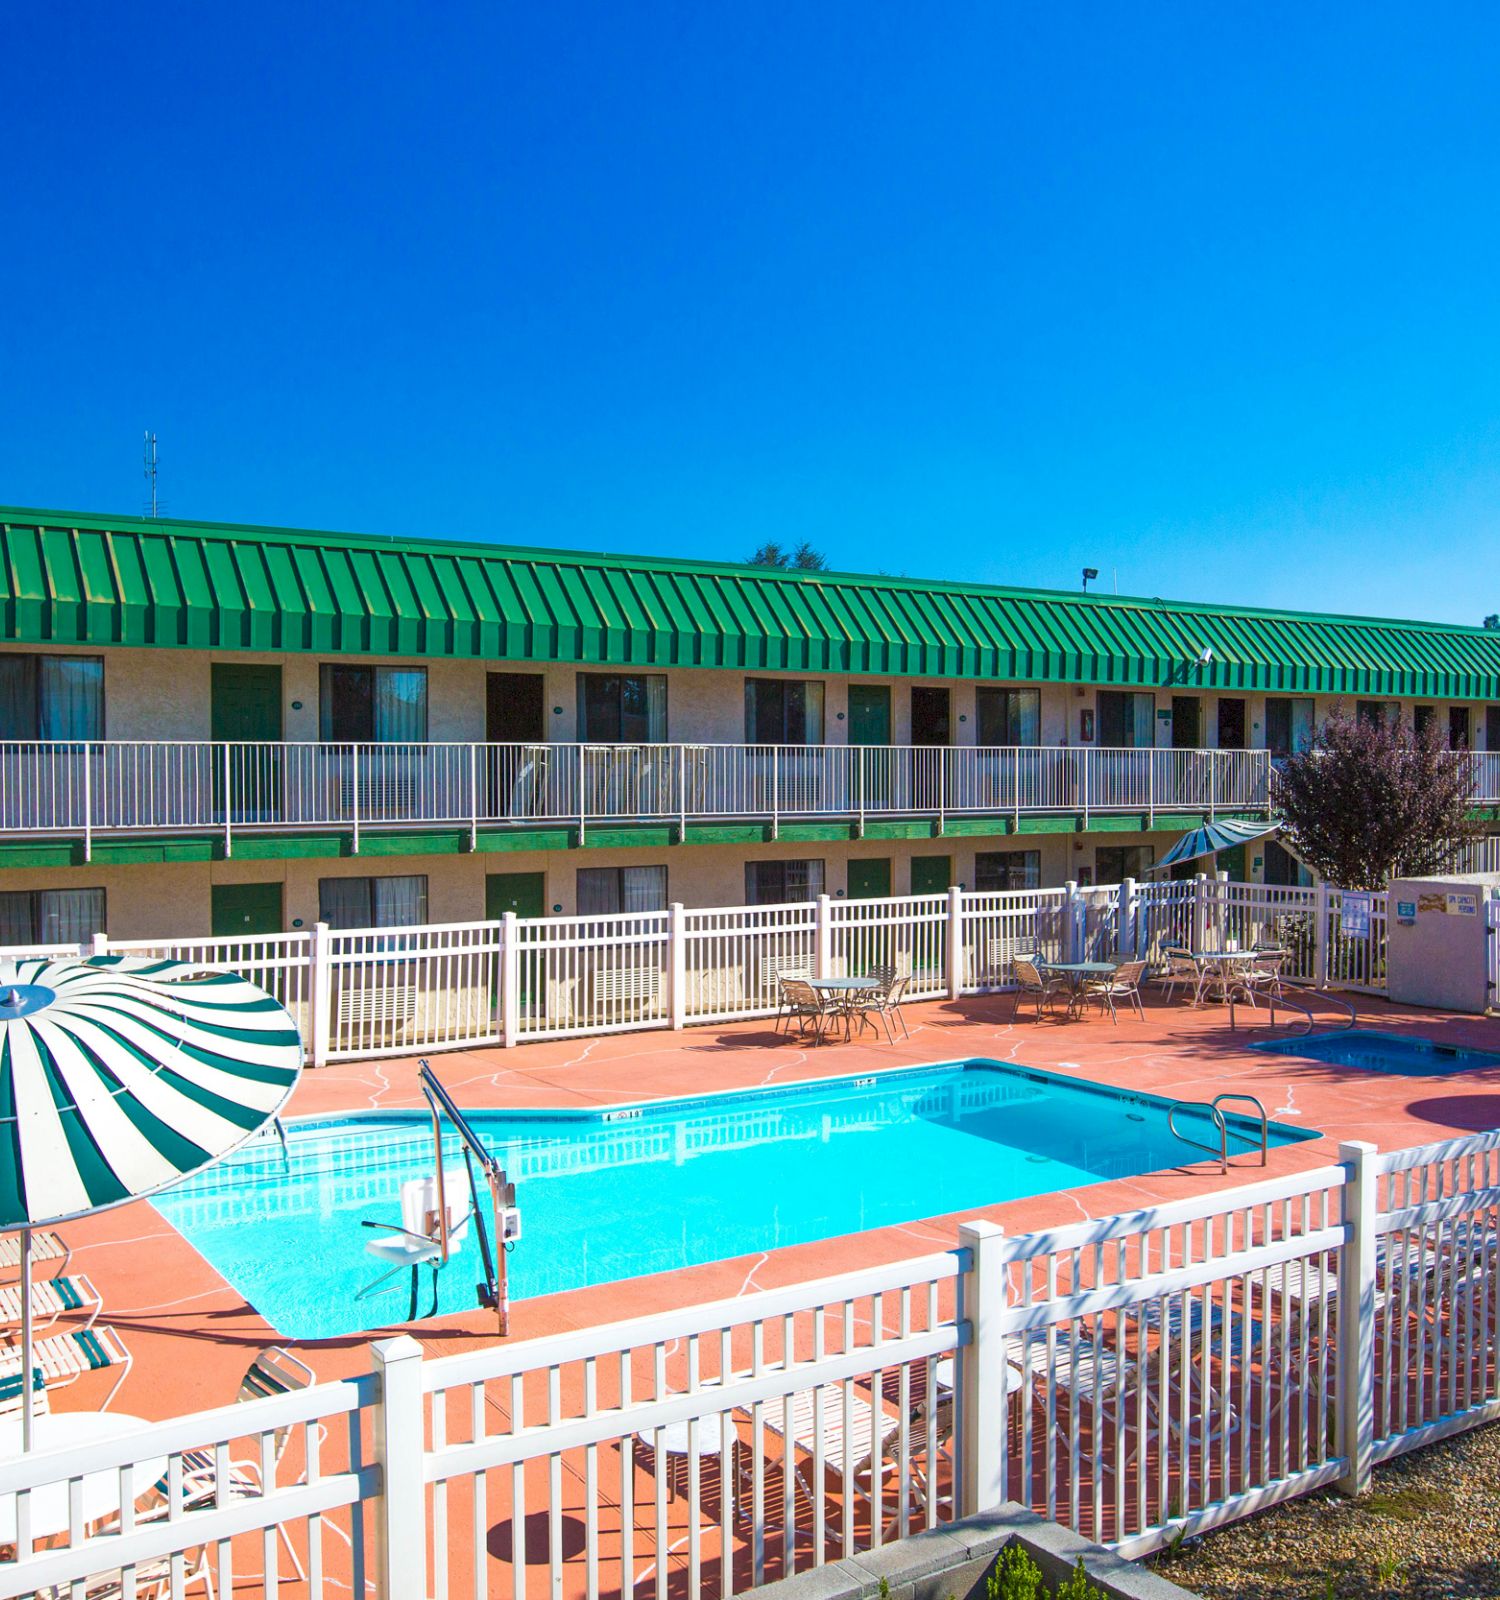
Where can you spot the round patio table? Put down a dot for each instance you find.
(60, 1430)
(847, 987)
(1207, 960)
(1078, 973)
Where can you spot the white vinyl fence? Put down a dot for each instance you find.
(1136, 1378)
(394, 991)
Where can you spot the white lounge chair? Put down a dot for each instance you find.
(51, 1298)
(62, 1359)
(46, 1246)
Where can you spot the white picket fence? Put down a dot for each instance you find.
(1135, 1378)
(393, 991)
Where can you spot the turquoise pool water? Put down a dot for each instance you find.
(605, 1196)
(1373, 1051)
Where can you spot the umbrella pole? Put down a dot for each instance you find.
(25, 1339)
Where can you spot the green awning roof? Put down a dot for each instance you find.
(83, 580)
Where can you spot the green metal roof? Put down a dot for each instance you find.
(86, 580)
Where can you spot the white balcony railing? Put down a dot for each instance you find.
(112, 787)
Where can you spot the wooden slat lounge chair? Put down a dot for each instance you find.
(51, 1298)
(46, 1247)
(62, 1359)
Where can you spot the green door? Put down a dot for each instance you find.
(1232, 862)
(931, 874)
(246, 709)
(869, 713)
(870, 880)
(525, 893)
(242, 909)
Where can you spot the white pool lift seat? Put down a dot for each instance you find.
(420, 1239)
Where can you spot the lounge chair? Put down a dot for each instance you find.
(1030, 983)
(62, 1359)
(51, 1298)
(46, 1246)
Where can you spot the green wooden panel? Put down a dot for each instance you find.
(931, 874)
(244, 909)
(525, 893)
(870, 878)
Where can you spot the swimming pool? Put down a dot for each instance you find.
(1372, 1051)
(613, 1194)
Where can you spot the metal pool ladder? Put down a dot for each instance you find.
(1221, 1122)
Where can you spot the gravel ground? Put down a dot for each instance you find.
(1429, 1527)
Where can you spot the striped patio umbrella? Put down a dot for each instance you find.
(1213, 837)
(120, 1076)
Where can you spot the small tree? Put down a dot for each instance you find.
(1371, 800)
(800, 558)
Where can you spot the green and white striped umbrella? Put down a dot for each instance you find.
(120, 1076)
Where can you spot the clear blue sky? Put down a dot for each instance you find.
(1208, 295)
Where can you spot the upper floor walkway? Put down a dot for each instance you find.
(112, 788)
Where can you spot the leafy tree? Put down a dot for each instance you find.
(1371, 799)
(1492, 622)
(800, 558)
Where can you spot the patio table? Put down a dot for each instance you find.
(1078, 973)
(100, 1491)
(843, 989)
(1225, 961)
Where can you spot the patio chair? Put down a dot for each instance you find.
(1124, 983)
(46, 1246)
(274, 1371)
(1179, 968)
(805, 1004)
(1032, 984)
(51, 1298)
(62, 1359)
(884, 1004)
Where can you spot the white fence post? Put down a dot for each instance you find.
(1070, 939)
(982, 1299)
(1127, 941)
(1356, 1313)
(677, 964)
(99, 945)
(956, 952)
(319, 992)
(1320, 937)
(1200, 912)
(401, 1505)
(1221, 909)
(510, 980)
(823, 946)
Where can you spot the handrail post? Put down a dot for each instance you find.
(88, 804)
(1127, 933)
(677, 964)
(1151, 788)
(942, 761)
(955, 941)
(401, 1505)
(473, 798)
(228, 804)
(354, 793)
(682, 794)
(583, 820)
(1213, 781)
(1356, 1308)
(319, 991)
(983, 1297)
(775, 791)
(1083, 783)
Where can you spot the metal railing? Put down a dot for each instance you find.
(113, 787)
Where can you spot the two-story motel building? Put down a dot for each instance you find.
(207, 728)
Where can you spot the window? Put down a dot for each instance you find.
(1378, 711)
(1231, 724)
(781, 712)
(774, 883)
(51, 697)
(1127, 719)
(1282, 868)
(1289, 725)
(1008, 716)
(51, 916)
(1492, 727)
(1458, 727)
(1007, 869)
(1422, 718)
(373, 902)
(1114, 863)
(604, 891)
(373, 705)
(620, 710)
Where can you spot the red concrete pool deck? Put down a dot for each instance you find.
(192, 1335)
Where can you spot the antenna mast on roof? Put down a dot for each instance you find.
(153, 509)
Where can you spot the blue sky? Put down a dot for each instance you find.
(1206, 297)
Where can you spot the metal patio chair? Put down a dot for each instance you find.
(1032, 984)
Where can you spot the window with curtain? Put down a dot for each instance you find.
(606, 891)
(614, 708)
(1127, 719)
(774, 883)
(51, 916)
(1008, 716)
(1115, 862)
(781, 711)
(372, 705)
(1282, 868)
(1384, 712)
(1289, 724)
(51, 697)
(373, 902)
(1007, 869)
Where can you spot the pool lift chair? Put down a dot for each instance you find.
(437, 1212)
